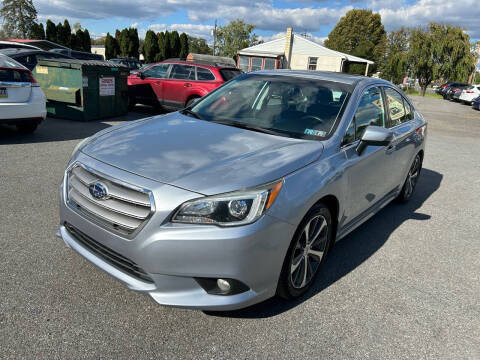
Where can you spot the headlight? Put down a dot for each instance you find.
(80, 145)
(230, 209)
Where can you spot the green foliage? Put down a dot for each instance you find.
(18, 17)
(395, 65)
(198, 46)
(183, 46)
(133, 43)
(87, 41)
(440, 51)
(235, 36)
(174, 40)
(51, 31)
(123, 42)
(150, 46)
(111, 47)
(37, 32)
(359, 33)
(64, 34)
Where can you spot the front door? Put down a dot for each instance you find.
(366, 173)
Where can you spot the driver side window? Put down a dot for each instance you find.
(370, 111)
(157, 71)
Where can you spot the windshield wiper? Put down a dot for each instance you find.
(248, 127)
(190, 113)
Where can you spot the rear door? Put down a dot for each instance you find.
(181, 78)
(402, 148)
(15, 81)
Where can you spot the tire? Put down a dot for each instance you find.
(131, 103)
(411, 180)
(27, 127)
(293, 281)
(190, 101)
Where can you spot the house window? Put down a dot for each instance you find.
(256, 63)
(312, 63)
(244, 63)
(269, 64)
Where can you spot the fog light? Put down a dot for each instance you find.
(223, 285)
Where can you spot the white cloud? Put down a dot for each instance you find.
(465, 13)
(135, 25)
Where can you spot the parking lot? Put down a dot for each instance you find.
(406, 284)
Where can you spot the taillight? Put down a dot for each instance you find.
(421, 131)
(32, 79)
(469, 92)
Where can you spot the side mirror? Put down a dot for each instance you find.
(141, 75)
(376, 136)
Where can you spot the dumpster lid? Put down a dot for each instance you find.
(77, 64)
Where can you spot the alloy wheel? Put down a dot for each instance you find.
(412, 177)
(308, 252)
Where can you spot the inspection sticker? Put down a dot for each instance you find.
(314, 132)
(41, 70)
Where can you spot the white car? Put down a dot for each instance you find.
(469, 94)
(22, 102)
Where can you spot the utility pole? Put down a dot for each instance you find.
(214, 36)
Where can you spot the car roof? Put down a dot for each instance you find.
(324, 75)
(14, 52)
(8, 62)
(197, 63)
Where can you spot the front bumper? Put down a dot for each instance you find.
(173, 255)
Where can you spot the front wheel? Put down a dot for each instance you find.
(411, 181)
(306, 253)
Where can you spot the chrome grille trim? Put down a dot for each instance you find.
(126, 209)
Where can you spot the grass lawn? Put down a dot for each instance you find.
(412, 92)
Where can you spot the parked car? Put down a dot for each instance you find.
(476, 103)
(241, 196)
(131, 63)
(22, 102)
(15, 45)
(80, 55)
(451, 89)
(29, 58)
(469, 94)
(176, 84)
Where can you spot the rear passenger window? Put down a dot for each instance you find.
(370, 111)
(204, 74)
(182, 72)
(408, 110)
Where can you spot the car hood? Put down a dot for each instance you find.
(201, 156)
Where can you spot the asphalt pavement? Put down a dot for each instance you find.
(406, 284)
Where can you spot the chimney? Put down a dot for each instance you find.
(288, 46)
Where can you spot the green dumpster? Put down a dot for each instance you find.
(83, 89)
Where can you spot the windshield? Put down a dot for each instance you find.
(286, 105)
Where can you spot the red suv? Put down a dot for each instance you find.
(174, 85)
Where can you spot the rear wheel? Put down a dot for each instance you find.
(27, 127)
(411, 181)
(306, 254)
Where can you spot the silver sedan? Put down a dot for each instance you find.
(240, 196)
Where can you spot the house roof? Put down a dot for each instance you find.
(300, 46)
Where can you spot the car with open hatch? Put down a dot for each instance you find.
(240, 196)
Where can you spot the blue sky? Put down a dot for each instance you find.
(271, 17)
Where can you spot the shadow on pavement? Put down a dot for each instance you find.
(354, 249)
(53, 129)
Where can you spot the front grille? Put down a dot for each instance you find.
(113, 258)
(123, 210)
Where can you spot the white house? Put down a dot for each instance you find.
(295, 52)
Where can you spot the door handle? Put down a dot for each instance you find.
(187, 85)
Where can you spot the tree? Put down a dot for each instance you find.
(86, 41)
(37, 32)
(235, 36)
(150, 46)
(64, 34)
(163, 47)
(359, 33)
(123, 41)
(174, 40)
(111, 47)
(133, 43)
(395, 65)
(51, 31)
(18, 17)
(183, 46)
(440, 51)
(198, 46)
